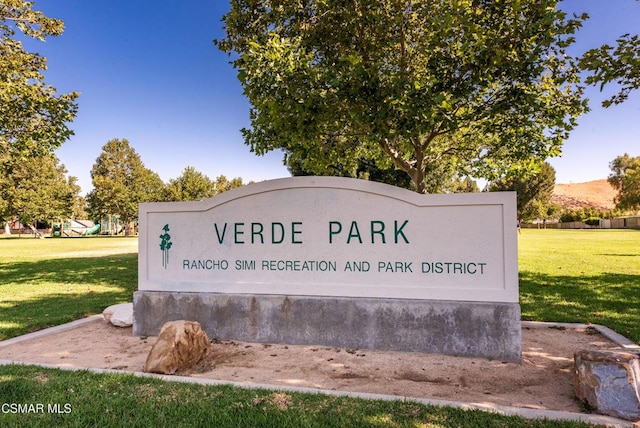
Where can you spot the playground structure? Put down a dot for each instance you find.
(110, 225)
(69, 228)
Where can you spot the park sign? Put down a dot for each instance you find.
(334, 247)
(321, 236)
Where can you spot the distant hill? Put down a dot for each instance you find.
(595, 194)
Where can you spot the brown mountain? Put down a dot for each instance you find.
(595, 194)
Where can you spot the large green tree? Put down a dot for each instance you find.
(533, 191)
(37, 190)
(191, 185)
(485, 88)
(121, 182)
(33, 116)
(625, 178)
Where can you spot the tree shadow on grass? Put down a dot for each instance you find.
(36, 295)
(115, 269)
(609, 299)
(618, 255)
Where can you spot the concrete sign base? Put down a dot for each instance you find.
(459, 328)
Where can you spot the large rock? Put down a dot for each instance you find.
(609, 381)
(119, 315)
(180, 345)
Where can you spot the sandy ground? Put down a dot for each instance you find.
(542, 381)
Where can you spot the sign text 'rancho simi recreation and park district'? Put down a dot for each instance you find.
(327, 236)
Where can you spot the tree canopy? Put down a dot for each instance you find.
(223, 183)
(439, 178)
(625, 178)
(619, 64)
(480, 88)
(121, 182)
(33, 117)
(192, 185)
(534, 191)
(37, 189)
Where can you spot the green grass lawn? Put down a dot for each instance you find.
(571, 276)
(115, 400)
(590, 276)
(46, 282)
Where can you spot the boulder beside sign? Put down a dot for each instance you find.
(326, 244)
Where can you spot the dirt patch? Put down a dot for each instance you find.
(542, 381)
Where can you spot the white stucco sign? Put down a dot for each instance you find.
(326, 236)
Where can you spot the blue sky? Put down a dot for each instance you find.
(149, 72)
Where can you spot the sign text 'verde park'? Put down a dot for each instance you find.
(374, 231)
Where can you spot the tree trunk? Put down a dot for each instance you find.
(419, 181)
(416, 174)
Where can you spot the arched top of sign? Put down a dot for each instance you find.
(373, 188)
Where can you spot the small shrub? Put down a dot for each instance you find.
(593, 221)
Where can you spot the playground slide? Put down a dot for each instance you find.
(95, 229)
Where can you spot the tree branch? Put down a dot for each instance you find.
(398, 160)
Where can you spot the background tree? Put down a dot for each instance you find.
(533, 191)
(192, 185)
(625, 178)
(80, 208)
(223, 183)
(552, 212)
(121, 182)
(585, 214)
(465, 185)
(38, 190)
(33, 117)
(149, 187)
(485, 88)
